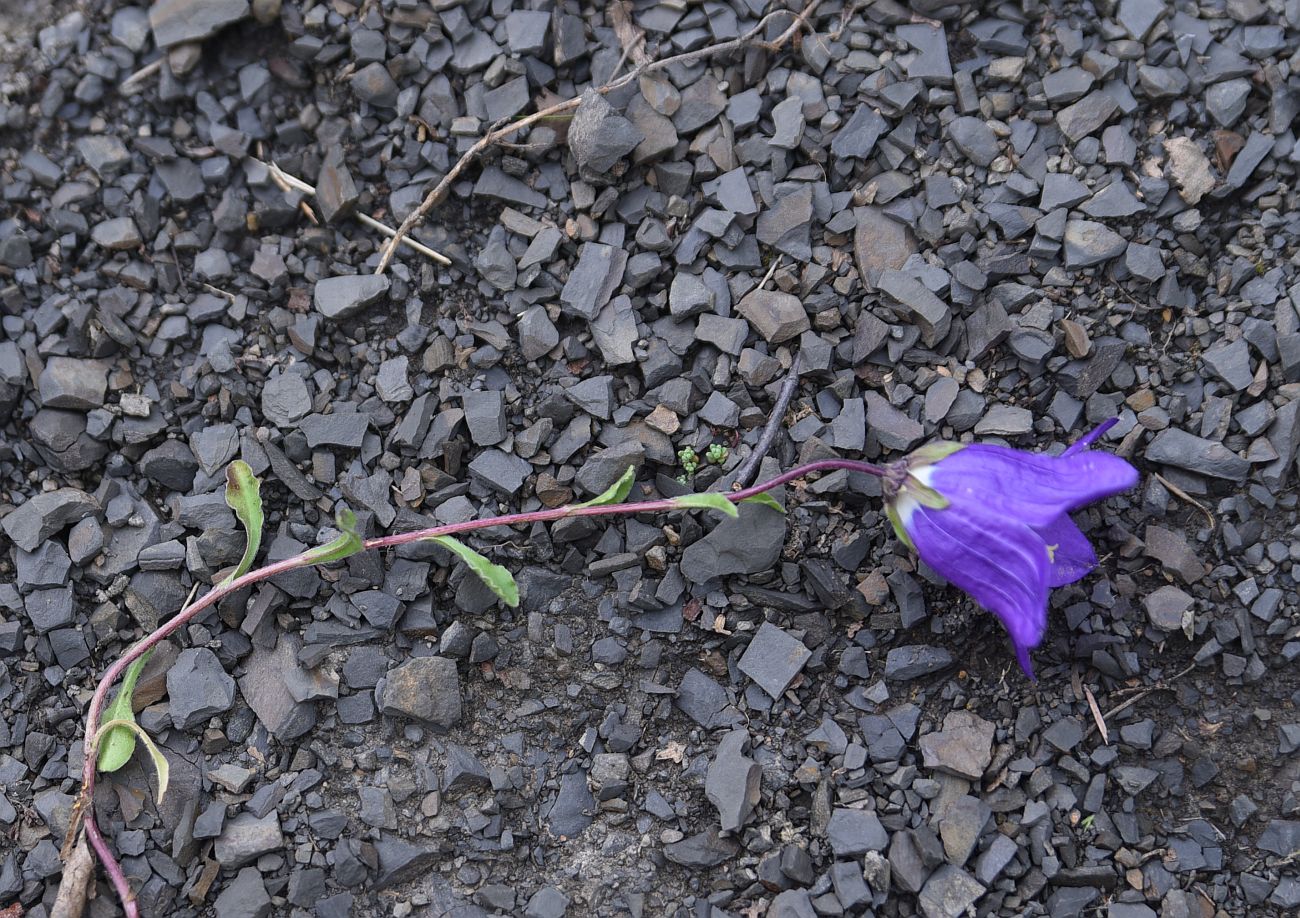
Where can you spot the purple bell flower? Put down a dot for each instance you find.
(995, 522)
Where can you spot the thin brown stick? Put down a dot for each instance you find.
(500, 132)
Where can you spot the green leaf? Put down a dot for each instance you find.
(615, 493)
(709, 500)
(933, 452)
(159, 760)
(925, 495)
(243, 495)
(499, 580)
(118, 744)
(348, 543)
(897, 522)
(764, 500)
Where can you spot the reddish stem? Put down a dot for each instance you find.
(102, 851)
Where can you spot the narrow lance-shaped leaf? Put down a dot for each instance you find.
(244, 496)
(118, 744)
(348, 543)
(709, 500)
(499, 580)
(615, 493)
(764, 500)
(160, 765)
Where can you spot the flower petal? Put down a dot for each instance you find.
(1090, 437)
(1070, 552)
(1033, 488)
(998, 560)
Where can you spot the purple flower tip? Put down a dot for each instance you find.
(995, 522)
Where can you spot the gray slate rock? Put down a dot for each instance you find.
(775, 315)
(702, 851)
(607, 466)
(975, 139)
(787, 225)
(344, 297)
(1090, 243)
(336, 192)
(177, 21)
(1087, 115)
(927, 311)
(894, 429)
(732, 782)
(425, 689)
(964, 747)
(246, 838)
(913, 661)
(852, 833)
(1196, 454)
(503, 472)
(375, 85)
(746, 544)
(285, 399)
(949, 891)
(267, 685)
(244, 897)
(70, 383)
(47, 514)
(773, 659)
(594, 279)
(198, 688)
(1231, 363)
(599, 136)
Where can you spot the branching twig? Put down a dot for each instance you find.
(1158, 687)
(287, 182)
(750, 466)
(500, 132)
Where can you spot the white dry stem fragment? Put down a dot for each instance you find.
(74, 888)
(130, 86)
(289, 182)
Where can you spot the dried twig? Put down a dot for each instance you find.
(501, 132)
(1179, 492)
(1096, 715)
(74, 887)
(128, 85)
(1158, 687)
(750, 466)
(289, 182)
(630, 36)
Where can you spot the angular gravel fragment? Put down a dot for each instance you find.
(776, 316)
(177, 21)
(425, 689)
(198, 688)
(344, 297)
(773, 659)
(732, 781)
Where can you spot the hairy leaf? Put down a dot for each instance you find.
(118, 745)
(244, 496)
(764, 500)
(499, 580)
(348, 543)
(709, 500)
(160, 765)
(615, 493)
